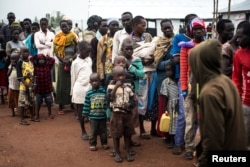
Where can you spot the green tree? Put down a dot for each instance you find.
(36, 20)
(56, 20)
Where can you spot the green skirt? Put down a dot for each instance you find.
(63, 86)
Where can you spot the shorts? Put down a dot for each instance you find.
(46, 96)
(121, 124)
(25, 99)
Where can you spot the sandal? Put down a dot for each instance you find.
(135, 144)
(112, 153)
(92, 148)
(131, 151)
(61, 112)
(118, 158)
(51, 116)
(105, 147)
(37, 120)
(145, 136)
(130, 158)
(85, 137)
(23, 122)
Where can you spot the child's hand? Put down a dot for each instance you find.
(66, 61)
(136, 97)
(126, 105)
(127, 64)
(147, 61)
(118, 83)
(27, 85)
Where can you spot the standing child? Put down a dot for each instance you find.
(81, 70)
(43, 65)
(25, 75)
(121, 98)
(133, 64)
(13, 91)
(135, 68)
(95, 108)
(169, 91)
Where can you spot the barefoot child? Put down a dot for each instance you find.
(13, 91)
(121, 98)
(95, 108)
(43, 65)
(81, 70)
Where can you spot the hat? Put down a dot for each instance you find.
(15, 25)
(197, 22)
(111, 20)
(66, 18)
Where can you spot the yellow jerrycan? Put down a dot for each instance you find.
(164, 122)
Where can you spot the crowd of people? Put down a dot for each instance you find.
(118, 78)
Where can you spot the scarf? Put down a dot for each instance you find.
(61, 41)
(163, 44)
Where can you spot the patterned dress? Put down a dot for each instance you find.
(170, 89)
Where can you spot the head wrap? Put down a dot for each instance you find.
(15, 25)
(112, 19)
(66, 18)
(91, 20)
(197, 22)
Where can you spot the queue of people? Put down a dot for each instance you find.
(126, 76)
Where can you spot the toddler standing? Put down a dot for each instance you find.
(169, 92)
(121, 98)
(13, 91)
(95, 108)
(43, 65)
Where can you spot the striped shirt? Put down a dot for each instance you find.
(95, 104)
(169, 88)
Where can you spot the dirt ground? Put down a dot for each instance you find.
(57, 142)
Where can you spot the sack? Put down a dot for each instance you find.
(164, 123)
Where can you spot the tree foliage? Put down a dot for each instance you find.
(54, 20)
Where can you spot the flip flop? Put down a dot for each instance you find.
(51, 116)
(61, 112)
(112, 153)
(145, 136)
(23, 122)
(85, 137)
(130, 158)
(117, 158)
(92, 148)
(135, 144)
(37, 120)
(131, 151)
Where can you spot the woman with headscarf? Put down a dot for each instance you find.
(65, 43)
(90, 32)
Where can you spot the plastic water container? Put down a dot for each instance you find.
(164, 122)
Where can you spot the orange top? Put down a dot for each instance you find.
(184, 67)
